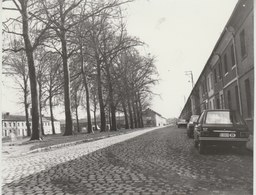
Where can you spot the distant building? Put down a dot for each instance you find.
(153, 119)
(48, 126)
(17, 123)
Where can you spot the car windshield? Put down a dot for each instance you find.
(223, 117)
(182, 120)
(194, 118)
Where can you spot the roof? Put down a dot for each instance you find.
(8, 117)
(150, 110)
(11, 117)
(49, 118)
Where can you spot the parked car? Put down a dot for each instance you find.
(191, 125)
(181, 122)
(220, 128)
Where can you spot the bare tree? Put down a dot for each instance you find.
(15, 65)
(53, 82)
(33, 33)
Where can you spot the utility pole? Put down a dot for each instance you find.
(190, 74)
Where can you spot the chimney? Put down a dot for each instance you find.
(7, 113)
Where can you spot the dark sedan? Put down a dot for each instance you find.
(220, 128)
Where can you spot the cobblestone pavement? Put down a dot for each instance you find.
(163, 161)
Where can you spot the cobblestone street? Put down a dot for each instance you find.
(162, 161)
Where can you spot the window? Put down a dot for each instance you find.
(222, 101)
(237, 98)
(5, 125)
(229, 99)
(218, 117)
(223, 117)
(14, 124)
(211, 83)
(242, 44)
(225, 64)
(18, 124)
(233, 55)
(215, 75)
(220, 70)
(217, 103)
(10, 124)
(248, 97)
(208, 84)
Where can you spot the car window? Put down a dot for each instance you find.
(194, 118)
(217, 117)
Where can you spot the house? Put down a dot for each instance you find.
(152, 118)
(227, 79)
(17, 123)
(47, 124)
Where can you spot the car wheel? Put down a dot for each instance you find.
(201, 147)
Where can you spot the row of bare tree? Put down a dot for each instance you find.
(76, 51)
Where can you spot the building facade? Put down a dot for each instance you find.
(153, 119)
(227, 80)
(17, 124)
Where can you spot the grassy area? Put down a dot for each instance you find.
(50, 140)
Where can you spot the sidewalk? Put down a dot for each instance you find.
(25, 146)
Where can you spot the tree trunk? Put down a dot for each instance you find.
(94, 112)
(40, 108)
(101, 104)
(109, 119)
(111, 99)
(141, 111)
(26, 105)
(130, 114)
(32, 73)
(77, 120)
(51, 112)
(95, 120)
(42, 123)
(138, 111)
(125, 115)
(68, 116)
(134, 113)
(89, 120)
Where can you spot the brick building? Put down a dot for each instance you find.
(227, 79)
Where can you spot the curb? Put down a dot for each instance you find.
(69, 144)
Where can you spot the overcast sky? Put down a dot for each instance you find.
(180, 33)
